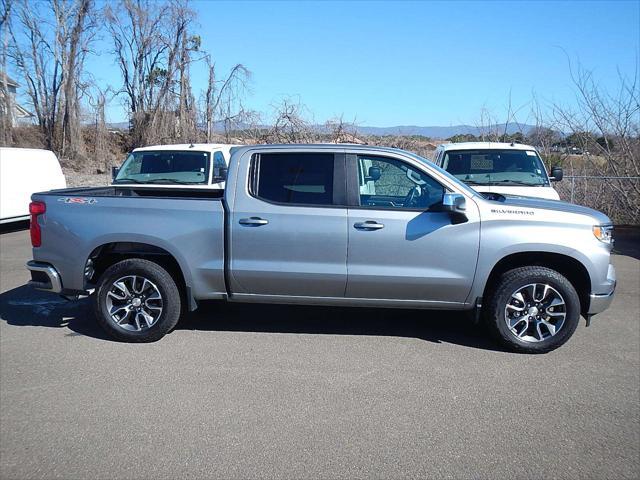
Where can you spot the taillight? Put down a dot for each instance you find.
(35, 209)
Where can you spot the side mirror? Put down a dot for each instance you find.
(374, 174)
(114, 172)
(454, 203)
(556, 174)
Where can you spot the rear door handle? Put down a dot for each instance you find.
(368, 225)
(253, 221)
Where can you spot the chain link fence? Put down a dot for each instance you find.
(616, 196)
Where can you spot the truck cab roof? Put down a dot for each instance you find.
(484, 145)
(189, 146)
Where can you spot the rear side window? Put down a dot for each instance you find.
(295, 178)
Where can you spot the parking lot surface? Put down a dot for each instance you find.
(251, 391)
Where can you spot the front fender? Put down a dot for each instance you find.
(499, 240)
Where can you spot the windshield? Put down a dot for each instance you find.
(165, 167)
(496, 167)
(453, 179)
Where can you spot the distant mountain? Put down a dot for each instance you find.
(444, 132)
(432, 132)
(118, 126)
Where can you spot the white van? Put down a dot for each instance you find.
(195, 165)
(24, 171)
(504, 168)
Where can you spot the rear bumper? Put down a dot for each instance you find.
(44, 277)
(599, 302)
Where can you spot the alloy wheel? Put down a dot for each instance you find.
(134, 303)
(535, 312)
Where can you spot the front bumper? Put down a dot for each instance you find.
(44, 277)
(599, 302)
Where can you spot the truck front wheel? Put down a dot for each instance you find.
(137, 301)
(532, 309)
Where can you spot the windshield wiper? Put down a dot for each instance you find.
(515, 182)
(473, 182)
(127, 180)
(154, 180)
(170, 180)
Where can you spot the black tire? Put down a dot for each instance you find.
(500, 295)
(167, 287)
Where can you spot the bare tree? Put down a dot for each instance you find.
(544, 135)
(97, 101)
(154, 49)
(606, 127)
(50, 56)
(137, 30)
(32, 57)
(75, 47)
(252, 127)
(209, 99)
(340, 131)
(186, 114)
(6, 108)
(487, 126)
(223, 98)
(189, 52)
(290, 124)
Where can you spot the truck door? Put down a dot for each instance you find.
(400, 246)
(289, 226)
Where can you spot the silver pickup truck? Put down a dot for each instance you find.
(326, 225)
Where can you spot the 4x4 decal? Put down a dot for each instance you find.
(78, 200)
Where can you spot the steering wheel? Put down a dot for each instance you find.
(411, 197)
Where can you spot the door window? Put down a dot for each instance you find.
(390, 183)
(295, 178)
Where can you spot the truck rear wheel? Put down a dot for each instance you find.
(137, 301)
(532, 310)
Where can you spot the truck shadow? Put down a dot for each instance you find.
(27, 307)
(24, 306)
(431, 326)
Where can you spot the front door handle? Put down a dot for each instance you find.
(253, 221)
(368, 225)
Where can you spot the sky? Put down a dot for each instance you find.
(411, 63)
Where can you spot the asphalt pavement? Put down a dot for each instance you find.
(251, 391)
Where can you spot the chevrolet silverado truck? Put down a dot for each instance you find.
(339, 225)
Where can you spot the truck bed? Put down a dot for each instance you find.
(187, 224)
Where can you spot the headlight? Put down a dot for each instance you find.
(604, 233)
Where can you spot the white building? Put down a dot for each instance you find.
(17, 112)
